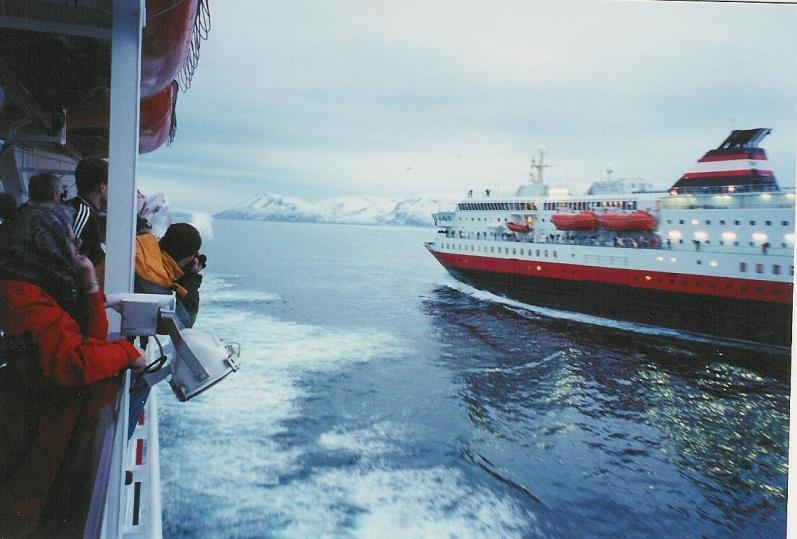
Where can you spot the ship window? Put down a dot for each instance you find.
(554, 254)
(514, 251)
(776, 269)
(492, 249)
(669, 221)
(784, 223)
(708, 222)
(743, 266)
(752, 222)
(768, 223)
(521, 252)
(699, 262)
(680, 221)
(759, 268)
(722, 242)
(791, 270)
(722, 221)
(736, 243)
(538, 252)
(546, 253)
(736, 222)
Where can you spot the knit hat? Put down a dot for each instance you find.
(181, 240)
(38, 251)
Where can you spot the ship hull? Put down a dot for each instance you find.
(759, 321)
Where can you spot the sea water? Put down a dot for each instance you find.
(378, 397)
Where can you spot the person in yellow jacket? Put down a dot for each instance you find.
(172, 264)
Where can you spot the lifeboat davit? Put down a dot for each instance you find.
(518, 227)
(586, 220)
(165, 41)
(639, 221)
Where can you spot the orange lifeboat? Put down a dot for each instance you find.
(155, 120)
(639, 220)
(586, 220)
(518, 227)
(165, 42)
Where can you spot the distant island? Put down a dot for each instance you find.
(362, 210)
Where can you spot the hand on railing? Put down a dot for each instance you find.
(140, 362)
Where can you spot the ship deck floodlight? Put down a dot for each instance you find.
(200, 360)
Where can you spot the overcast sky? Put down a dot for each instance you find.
(322, 99)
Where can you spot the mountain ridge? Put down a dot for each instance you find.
(361, 210)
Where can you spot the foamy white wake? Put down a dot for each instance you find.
(219, 290)
(233, 452)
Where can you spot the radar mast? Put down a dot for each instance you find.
(537, 166)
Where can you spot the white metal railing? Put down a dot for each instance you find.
(126, 38)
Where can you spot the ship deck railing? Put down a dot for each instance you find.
(645, 241)
(723, 200)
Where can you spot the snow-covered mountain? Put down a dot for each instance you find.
(362, 210)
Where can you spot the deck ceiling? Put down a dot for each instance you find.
(55, 64)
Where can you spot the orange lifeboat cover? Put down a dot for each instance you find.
(170, 25)
(156, 119)
(586, 220)
(638, 220)
(518, 227)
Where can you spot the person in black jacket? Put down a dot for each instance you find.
(91, 177)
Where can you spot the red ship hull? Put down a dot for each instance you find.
(733, 308)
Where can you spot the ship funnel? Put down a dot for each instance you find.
(736, 165)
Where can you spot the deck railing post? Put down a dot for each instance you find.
(126, 34)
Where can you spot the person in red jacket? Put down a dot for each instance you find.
(49, 292)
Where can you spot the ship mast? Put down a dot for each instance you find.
(537, 167)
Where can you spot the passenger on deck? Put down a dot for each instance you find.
(49, 292)
(44, 189)
(172, 264)
(91, 177)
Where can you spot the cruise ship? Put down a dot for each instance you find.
(713, 254)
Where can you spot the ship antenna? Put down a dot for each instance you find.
(535, 174)
(609, 171)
